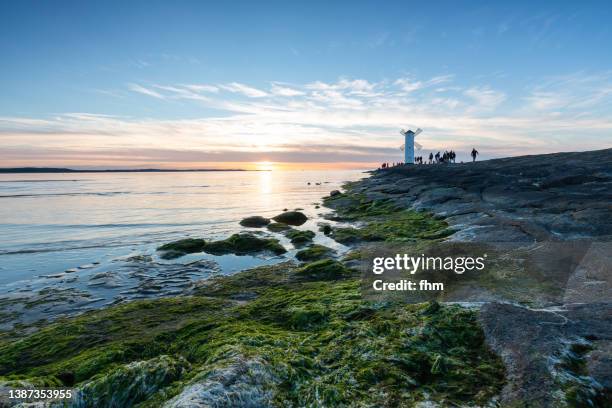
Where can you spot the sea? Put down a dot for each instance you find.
(75, 241)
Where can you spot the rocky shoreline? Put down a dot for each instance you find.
(301, 334)
(560, 354)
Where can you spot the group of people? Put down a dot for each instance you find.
(446, 157)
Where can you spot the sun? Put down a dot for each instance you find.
(264, 165)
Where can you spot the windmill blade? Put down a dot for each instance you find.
(403, 132)
(402, 147)
(418, 146)
(419, 130)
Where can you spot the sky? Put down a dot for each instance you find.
(298, 84)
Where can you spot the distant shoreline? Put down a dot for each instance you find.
(38, 170)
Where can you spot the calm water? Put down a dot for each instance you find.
(93, 232)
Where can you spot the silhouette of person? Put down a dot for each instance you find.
(430, 157)
(474, 154)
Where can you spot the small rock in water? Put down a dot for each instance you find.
(71, 270)
(291, 218)
(255, 221)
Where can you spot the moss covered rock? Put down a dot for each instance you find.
(291, 218)
(181, 247)
(299, 237)
(131, 383)
(244, 243)
(314, 253)
(255, 221)
(325, 269)
(278, 227)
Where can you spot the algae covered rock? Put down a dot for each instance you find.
(325, 269)
(298, 237)
(244, 243)
(314, 253)
(131, 383)
(255, 221)
(241, 383)
(346, 235)
(291, 218)
(278, 227)
(181, 247)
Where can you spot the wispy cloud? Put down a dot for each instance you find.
(145, 91)
(244, 89)
(282, 90)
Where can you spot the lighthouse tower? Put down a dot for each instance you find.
(408, 146)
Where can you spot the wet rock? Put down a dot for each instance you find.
(299, 237)
(255, 221)
(334, 193)
(244, 243)
(326, 269)
(278, 227)
(291, 218)
(547, 352)
(314, 253)
(181, 247)
(325, 229)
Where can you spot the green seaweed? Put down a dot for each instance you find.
(300, 237)
(244, 243)
(314, 253)
(305, 337)
(278, 227)
(382, 220)
(181, 247)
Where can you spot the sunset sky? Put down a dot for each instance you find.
(287, 85)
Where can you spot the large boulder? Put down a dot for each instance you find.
(255, 221)
(291, 218)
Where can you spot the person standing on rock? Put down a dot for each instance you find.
(430, 157)
(474, 154)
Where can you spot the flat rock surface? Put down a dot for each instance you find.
(552, 355)
(555, 196)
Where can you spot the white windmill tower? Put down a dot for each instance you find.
(409, 144)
